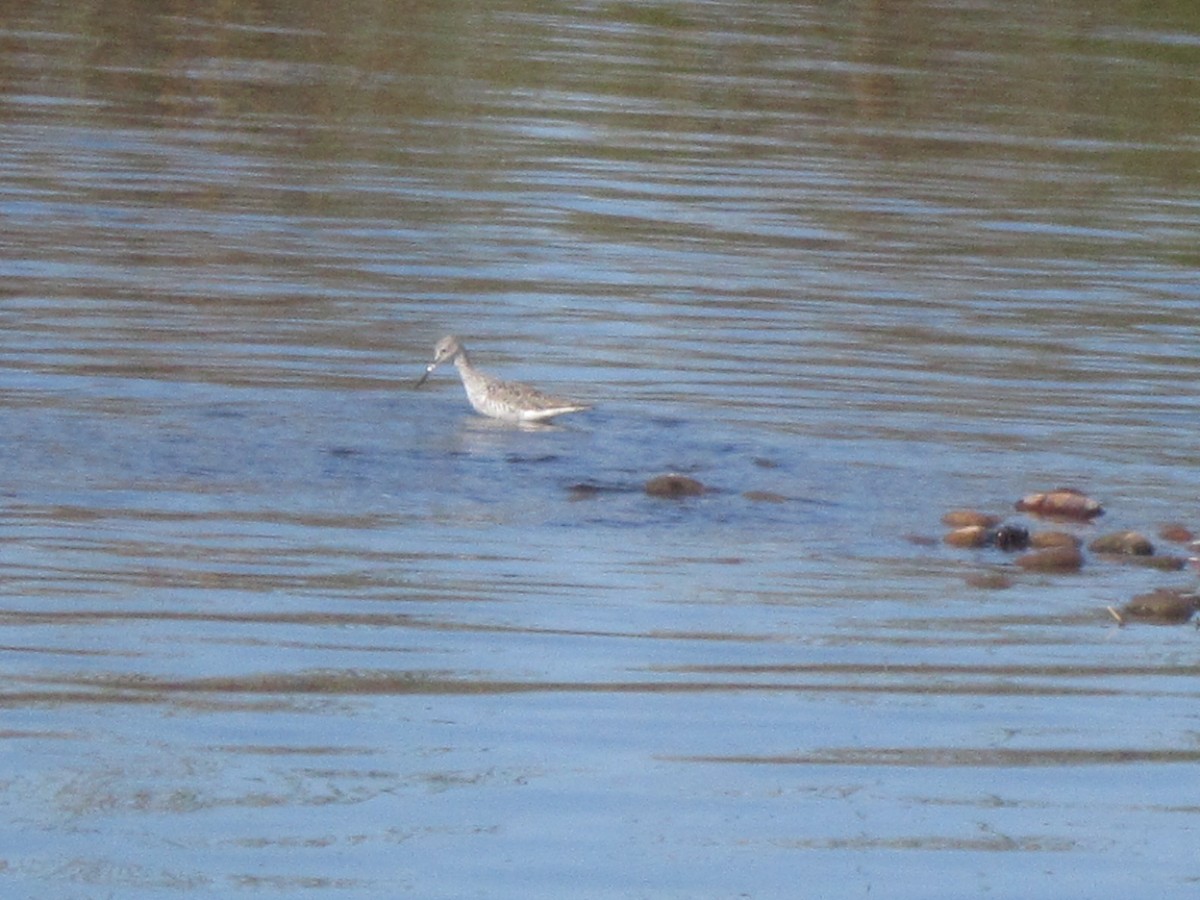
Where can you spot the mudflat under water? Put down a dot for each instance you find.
(274, 623)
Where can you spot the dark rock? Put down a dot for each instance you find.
(1009, 537)
(674, 486)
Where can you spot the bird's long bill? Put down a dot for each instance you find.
(428, 371)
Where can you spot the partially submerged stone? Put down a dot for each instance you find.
(764, 497)
(1163, 606)
(962, 518)
(1123, 543)
(1161, 563)
(1004, 537)
(989, 581)
(674, 486)
(583, 490)
(1043, 539)
(1061, 503)
(1052, 559)
(1176, 533)
(967, 536)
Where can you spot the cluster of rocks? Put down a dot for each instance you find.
(1048, 550)
(1060, 550)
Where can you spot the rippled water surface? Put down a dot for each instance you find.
(276, 623)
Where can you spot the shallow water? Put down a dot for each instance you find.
(276, 623)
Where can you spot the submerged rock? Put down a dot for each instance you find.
(583, 490)
(1061, 503)
(990, 581)
(1043, 539)
(1176, 533)
(1164, 606)
(1052, 559)
(673, 486)
(1123, 543)
(1162, 563)
(764, 497)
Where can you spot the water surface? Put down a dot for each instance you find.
(276, 623)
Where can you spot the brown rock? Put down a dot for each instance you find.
(1166, 607)
(1125, 543)
(1042, 539)
(1061, 503)
(673, 486)
(961, 518)
(1176, 533)
(1005, 537)
(1161, 563)
(1052, 559)
(967, 536)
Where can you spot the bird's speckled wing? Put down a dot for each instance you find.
(528, 402)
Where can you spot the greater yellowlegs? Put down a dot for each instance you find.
(508, 400)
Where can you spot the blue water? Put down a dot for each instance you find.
(275, 622)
